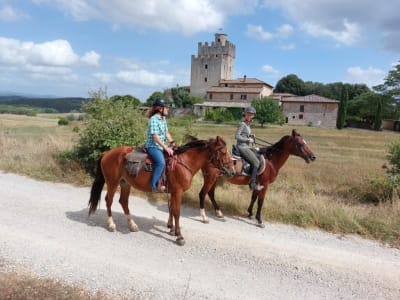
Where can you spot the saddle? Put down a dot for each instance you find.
(138, 160)
(242, 166)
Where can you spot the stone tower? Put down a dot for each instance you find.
(212, 63)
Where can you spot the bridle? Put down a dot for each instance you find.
(218, 158)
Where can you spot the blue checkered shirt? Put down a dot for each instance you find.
(156, 125)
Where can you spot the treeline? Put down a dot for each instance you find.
(61, 105)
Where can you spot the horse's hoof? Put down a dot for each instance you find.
(250, 216)
(206, 221)
(261, 225)
(112, 228)
(219, 214)
(180, 241)
(134, 228)
(172, 232)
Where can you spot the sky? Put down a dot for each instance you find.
(71, 48)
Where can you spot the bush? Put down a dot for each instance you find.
(110, 124)
(63, 122)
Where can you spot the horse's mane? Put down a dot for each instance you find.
(193, 143)
(275, 147)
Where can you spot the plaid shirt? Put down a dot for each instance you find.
(156, 125)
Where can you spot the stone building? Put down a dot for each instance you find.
(309, 110)
(211, 78)
(234, 93)
(213, 63)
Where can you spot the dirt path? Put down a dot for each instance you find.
(44, 227)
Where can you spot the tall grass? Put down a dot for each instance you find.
(331, 193)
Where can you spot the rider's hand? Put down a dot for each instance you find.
(170, 151)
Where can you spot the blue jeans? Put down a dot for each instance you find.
(158, 165)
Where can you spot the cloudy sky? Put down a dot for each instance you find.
(73, 47)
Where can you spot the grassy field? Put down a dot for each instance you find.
(333, 193)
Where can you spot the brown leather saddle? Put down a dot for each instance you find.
(242, 166)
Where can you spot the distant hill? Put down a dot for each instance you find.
(62, 105)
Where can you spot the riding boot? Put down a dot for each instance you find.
(253, 179)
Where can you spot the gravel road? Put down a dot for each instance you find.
(44, 228)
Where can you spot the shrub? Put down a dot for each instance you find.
(109, 124)
(63, 122)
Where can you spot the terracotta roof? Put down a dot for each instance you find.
(244, 90)
(309, 98)
(244, 81)
(223, 104)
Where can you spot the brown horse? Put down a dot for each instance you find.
(188, 159)
(275, 157)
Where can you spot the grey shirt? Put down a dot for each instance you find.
(242, 135)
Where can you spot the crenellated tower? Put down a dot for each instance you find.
(212, 63)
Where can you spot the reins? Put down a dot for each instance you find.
(263, 141)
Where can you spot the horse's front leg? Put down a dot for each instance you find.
(176, 200)
(211, 195)
(210, 180)
(252, 201)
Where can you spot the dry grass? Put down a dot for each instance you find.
(24, 286)
(30, 143)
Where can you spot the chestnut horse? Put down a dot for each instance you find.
(275, 157)
(189, 159)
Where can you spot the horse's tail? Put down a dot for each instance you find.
(97, 187)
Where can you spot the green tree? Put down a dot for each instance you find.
(109, 124)
(391, 89)
(267, 111)
(341, 117)
(157, 94)
(127, 99)
(291, 84)
(378, 117)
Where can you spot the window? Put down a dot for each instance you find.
(243, 97)
(206, 66)
(301, 116)
(205, 79)
(231, 96)
(210, 96)
(301, 108)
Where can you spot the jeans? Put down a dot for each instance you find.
(158, 165)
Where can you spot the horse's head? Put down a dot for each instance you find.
(300, 148)
(220, 157)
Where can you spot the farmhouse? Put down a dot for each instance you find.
(309, 110)
(211, 78)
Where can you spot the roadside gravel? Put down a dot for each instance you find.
(44, 228)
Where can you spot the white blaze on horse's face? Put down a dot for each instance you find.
(304, 141)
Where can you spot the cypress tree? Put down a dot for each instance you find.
(341, 117)
(378, 116)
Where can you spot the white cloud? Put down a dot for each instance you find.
(257, 32)
(91, 58)
(346, 21)
(145, 78)
(51, 57)
(370, 76)
(269, 70)
(350, 34)
(184, 16)
(8, 14)
(285, 30)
